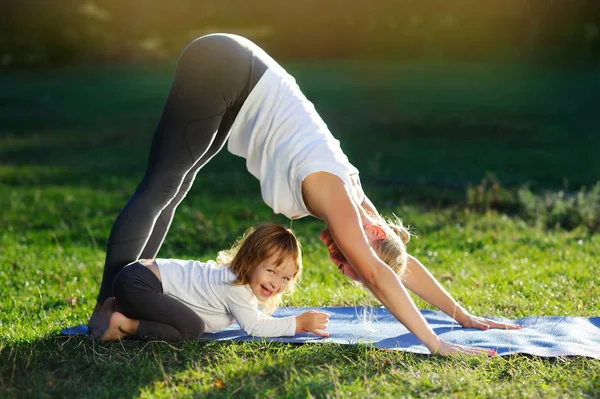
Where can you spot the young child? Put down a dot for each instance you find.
(174, 300)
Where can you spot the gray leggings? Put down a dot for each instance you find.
(214, 76)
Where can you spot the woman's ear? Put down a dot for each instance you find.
(375, 231)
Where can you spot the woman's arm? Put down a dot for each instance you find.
(420, 281)
(327, 197)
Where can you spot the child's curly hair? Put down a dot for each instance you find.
(257, 244)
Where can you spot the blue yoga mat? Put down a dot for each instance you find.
(546, 336)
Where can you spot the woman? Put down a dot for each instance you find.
(226, 87)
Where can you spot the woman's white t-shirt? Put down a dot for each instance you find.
(284, 140)
(206, 288)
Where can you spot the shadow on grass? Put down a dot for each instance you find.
(74, 366)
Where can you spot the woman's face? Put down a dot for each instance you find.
(336, 256)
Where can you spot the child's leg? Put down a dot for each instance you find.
(108, 308)
(119, 327)
(139, 296)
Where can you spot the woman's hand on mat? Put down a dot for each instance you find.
(313, 321)
(470, 321)
(447, 349)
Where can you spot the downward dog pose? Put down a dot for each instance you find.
(174, 300)
(226, 87)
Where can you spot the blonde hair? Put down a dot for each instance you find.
(392, 248)
(257, 244)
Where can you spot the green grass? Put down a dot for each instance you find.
(73, 144)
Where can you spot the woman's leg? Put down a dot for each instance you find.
(163, 222)
(213, 77)
(139, 297)
(258, 64)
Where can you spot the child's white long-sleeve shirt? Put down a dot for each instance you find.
(206, 288)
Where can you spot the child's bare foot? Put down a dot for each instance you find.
(119, 327)
(101, 317)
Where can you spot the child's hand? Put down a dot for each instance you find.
(482, 323)
(313, 321)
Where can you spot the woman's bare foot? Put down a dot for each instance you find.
(101, 317)
(119, 327)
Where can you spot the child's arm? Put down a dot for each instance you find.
(242, 306)
(420, 281)
(313, 321)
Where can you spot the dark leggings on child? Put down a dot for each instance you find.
(213, 77)
(139, 295)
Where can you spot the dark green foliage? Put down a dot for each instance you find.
(61, 32)
(552, 209)
(562, 209)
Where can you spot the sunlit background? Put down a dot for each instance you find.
(42, 32)
(478, 101)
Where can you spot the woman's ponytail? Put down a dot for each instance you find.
(392, 249)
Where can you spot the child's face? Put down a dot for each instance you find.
(267, 279)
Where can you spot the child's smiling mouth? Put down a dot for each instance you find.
(265, 291)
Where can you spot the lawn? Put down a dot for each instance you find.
(73, 145)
